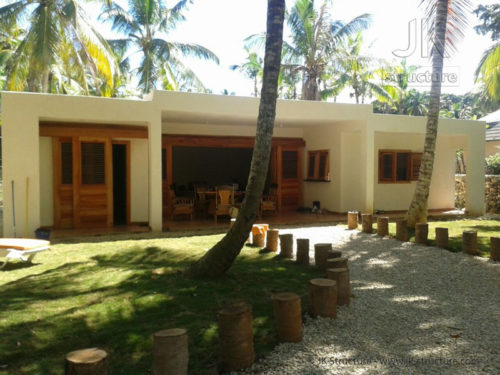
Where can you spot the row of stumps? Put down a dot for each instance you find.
(469, 237)
(235, 322)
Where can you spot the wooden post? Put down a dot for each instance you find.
(272, 240)
(366, 223)
(469, 242)
(303, 250)
(352, 220)
(442, 237)
(383, 226)
(421, 233)
(341, 277)
(495, 248)
(321, 254)
(337, 263)
(235, 337)
(334, 254)
(402, 229)
(286, 245)
(91, 361)
(170, 352)
(323, 298)
(288, 316)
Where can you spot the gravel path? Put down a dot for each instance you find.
(414, 310)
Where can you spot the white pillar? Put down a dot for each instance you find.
(475, 177)
(369, 149)
(155, 177)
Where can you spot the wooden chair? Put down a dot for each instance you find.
(269, 202)
(224, 200)
(181, 206)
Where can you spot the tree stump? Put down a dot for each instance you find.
(341, 277)
(288, 317)
(321, 254)
(286, 245)
(495, 248)
(383, 226)
(91, 361)
(421, 233)
(259, 234)
(323, 298)
(272, 240)
(337, 263)
(402, 229)
(366, 223)
(352, 220)
(334, 254)
(442, 237)
(235, 337)
(303, 250)
(170, 352)
(469, 242)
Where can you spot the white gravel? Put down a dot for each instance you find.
(414, 310)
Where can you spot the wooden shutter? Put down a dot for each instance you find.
(311, 165)
(93, 163)
(66, 162)
(323, 166)
(415, 161)
(386, 166)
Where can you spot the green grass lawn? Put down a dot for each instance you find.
(116, 294)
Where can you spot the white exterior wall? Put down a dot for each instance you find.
(139, 180)
(46, 182)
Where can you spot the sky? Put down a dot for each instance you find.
(222, 26)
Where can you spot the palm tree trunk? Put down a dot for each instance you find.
(220, 257)
(310, 87)
(417, 213)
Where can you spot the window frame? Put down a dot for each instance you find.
(315, 175)
(413, 162)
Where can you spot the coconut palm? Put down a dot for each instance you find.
(447, 20)
(220, 258)
(252, 68)
(58, 35)
(146, 24)
(488, 72)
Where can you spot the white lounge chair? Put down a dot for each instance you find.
(21, 248)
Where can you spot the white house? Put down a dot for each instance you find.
(94, 162)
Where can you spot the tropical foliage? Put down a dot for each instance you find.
(253, 68)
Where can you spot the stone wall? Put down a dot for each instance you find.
(492, 198)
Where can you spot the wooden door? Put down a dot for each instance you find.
(63, 182)
(289, 161)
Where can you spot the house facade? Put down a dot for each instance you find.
(492, 133)
(94, 162)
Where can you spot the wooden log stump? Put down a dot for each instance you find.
(259, 234)
(272, 240)
(303, 250)
(170, 352)
(334, 254)
(366, 223)
(442, 237)
(495, 248)
(383, 226)
(288, 317)
(341, 277)
(402, 229)
(235, 337)
(421, 233)
(286, 245)
(469, 242)
(321, 254)
(341, 262)
(91, 361)
(352, 220)
(322, 298)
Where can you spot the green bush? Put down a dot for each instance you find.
(493, 164)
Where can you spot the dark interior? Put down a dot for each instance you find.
(120, 184)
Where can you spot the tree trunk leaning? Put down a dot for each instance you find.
(341, 277)
(91, 361)
(495, 248)
(170, 352)
(286, 245)
(272, 240)
(288, 317)
(321, 254)
(341, 262)
(421, 233)
(322, 298)
(402, 229)
(442, 237)
(383, 226)
(352, 220)
(366, 223)
(469, 242)
(303, 250)
(235, 337)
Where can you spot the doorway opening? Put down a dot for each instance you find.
(119, 184)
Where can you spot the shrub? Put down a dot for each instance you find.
(493, 164)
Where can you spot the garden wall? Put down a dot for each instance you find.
(492, 198)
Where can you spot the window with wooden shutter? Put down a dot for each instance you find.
(398, 166)
(416, 160)
(93, 169)
(318, 166)
(66, 163)
(386, 166)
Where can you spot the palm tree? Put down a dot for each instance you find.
(488, 72)
(220, 258)
(146, 24)
(252, 67)
(447, 19)
(58, 36)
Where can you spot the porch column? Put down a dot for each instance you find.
(475, 177)
(155, 182)
(369, 149)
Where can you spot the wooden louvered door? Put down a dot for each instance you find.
(289, 163)
(63, 182)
